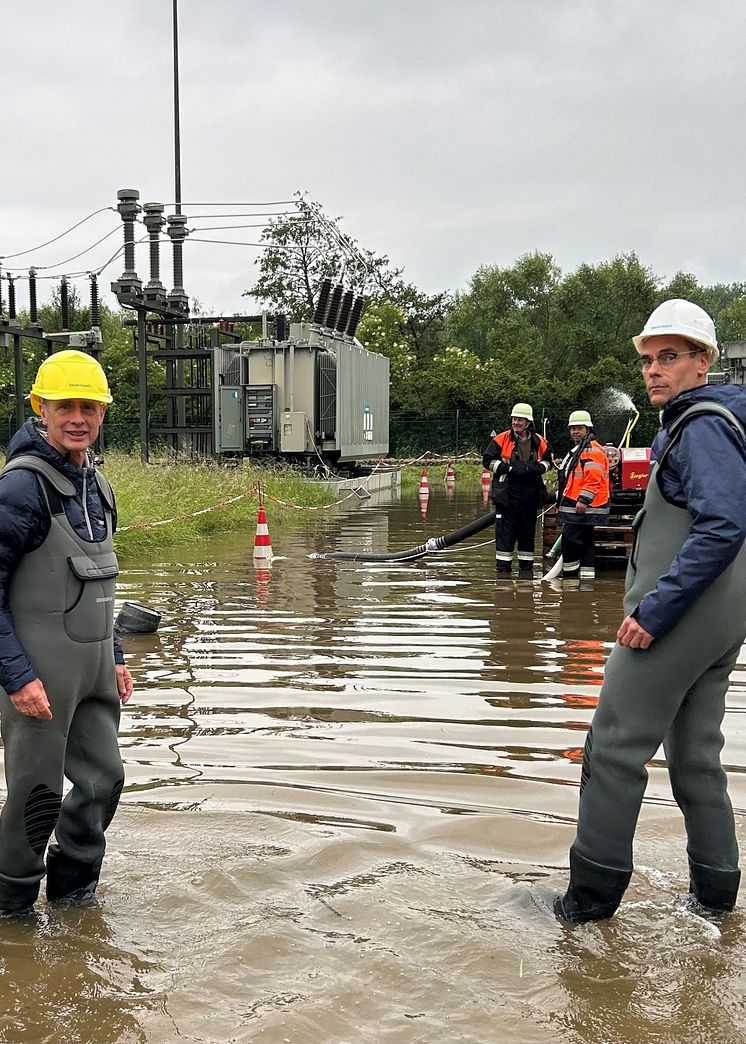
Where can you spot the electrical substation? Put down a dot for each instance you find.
(304, 392)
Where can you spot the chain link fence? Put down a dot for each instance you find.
(121, 435)
(448, 433)
(458, 431)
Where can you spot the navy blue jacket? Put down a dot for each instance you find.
(24, 524)
(705, 472)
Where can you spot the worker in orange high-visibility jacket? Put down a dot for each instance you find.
(518, 459)
(583, 497)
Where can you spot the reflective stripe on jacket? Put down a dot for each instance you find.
(588, 481)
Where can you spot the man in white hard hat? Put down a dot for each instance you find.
(684, 626)
(518, 460)
(582, 498)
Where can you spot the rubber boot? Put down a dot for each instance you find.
(18, 899)
(68, 879)
(712, 888)
(594, 892)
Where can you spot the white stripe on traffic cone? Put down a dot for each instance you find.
(262, 545)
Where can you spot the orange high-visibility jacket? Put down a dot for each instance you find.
(506, 441)
(587, 481)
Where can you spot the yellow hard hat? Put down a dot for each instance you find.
(69, 375)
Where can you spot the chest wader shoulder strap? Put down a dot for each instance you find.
(53, 485)
(105, 491)
(698, 409)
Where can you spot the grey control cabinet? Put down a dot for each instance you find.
(230, 427)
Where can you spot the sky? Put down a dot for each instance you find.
(446, 135)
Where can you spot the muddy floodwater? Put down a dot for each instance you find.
(350, 794)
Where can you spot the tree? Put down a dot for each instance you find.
(423, 314)
(731, 322)
(507, 313)
(304, 249)
(383, 329)
(603, 306)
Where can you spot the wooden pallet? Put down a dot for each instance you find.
(613, 541)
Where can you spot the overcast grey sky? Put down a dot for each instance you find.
(447, 134)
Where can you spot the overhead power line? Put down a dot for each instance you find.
(271, 203)
(225, 217)
(224, 228)
(31, 250)
(234, 242)
(58, 264)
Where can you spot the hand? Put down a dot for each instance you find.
(503, 468)
(31, 700)
(632, 635)
(581, 507)
(124, 683)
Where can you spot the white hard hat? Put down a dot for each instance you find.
(522, 409)
(684, 319)
(580, 417)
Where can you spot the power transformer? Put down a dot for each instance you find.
(316, 394)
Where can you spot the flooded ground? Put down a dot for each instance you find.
(350, 794)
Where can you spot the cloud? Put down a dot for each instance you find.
(448, 135)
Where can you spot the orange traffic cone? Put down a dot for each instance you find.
(262, 575)
(450, 473)
(486, 479)
(262, 545)
(423, 493)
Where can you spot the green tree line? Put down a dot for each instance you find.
(526, 332)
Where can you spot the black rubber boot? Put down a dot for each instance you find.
(18, 899)
(712, 888)
(594, 892)
(68, 879)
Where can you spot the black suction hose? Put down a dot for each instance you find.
(433, 544)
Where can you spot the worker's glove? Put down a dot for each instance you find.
(502, 468)
(526, 467)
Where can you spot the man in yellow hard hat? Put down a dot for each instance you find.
(583, 497)
(518, 460)
(62, 674)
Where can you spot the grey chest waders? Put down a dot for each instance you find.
(62, 604)
(671, 693)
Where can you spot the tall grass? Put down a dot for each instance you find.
(467, 472)
(166, 490)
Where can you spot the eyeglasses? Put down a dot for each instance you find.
(666, 360)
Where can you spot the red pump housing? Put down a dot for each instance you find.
(635, 467)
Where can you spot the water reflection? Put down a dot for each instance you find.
(350, 792)
(66, 977)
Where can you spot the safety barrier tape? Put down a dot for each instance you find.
(311, 507)
(430, 457)
(265, 496)
(192, 514)
(232, 500)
